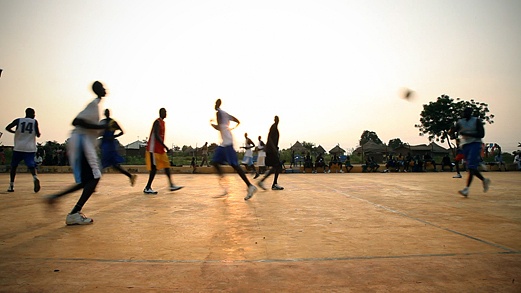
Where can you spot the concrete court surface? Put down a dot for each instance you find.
(376, 232)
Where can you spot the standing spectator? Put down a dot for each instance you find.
(261, 156)
(204, 151)
(517, 160)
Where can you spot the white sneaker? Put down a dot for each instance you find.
(261, 185)
(149, 191)
(175, 187)
(133, 178)
(457, 176)
(486, 184)
(464, 192)
(78, 219)
(276, 187)
(251, 190)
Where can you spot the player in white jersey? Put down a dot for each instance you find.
(471, 131)
(225, 153)
(25, 135)
(261, 156)
(83, 156)
(247, 160)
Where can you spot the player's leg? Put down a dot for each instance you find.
(89, 182)
(15, 160)
(151, 165)
(31, 165)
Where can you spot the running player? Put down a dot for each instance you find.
(272, 156)
(156, 154)
(109, 153)
(225, 153)
(248, 155)
(471, 131)
(25, 135)
(83, 157)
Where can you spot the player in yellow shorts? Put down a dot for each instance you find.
(156, 151)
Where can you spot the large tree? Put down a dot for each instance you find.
(438, 117)
(369, 136)
(395, 143)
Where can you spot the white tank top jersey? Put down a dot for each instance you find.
(468, 126)
(224, 128)
(91, 115)
(25, 135)
(248, 152)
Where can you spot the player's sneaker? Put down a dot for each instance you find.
(10, 189)
(486, 184)
(149, 191)
(276, 187)
(457, 176)
(36, 185)
(133, 179)
(464, 191)
(256, 176)
(260, 183)
(251, 190)
(78, 219)
(175, 187)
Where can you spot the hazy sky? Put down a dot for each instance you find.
(328, 69)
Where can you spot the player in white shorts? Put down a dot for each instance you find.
(25, 134)
(83, 157)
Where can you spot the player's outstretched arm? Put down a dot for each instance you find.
(11, 125)
(82, 123)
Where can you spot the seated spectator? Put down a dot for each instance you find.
(445, 161)
(308, 161)
(428, 159)
(517, 160)
(320, 163)
(348, 165)
(335, 162)
(499, 161)
(418, 164)
(408, 163)
(371, 164)
(391, 163)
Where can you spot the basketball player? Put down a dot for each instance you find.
(225, 153)
(109, 154)
(261, 156)
(470, 130)
(156, 154)
(272, 156)
(247, 160)
(25, 135)
(83, 157)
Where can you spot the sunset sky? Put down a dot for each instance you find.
(328, 69)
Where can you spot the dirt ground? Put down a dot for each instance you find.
(375, 232)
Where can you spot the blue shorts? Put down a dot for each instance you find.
(225, 155)
(472, 153)
(27, 157)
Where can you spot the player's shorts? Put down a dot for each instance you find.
(261, 161)
(27, 157)
(225, 155)
(83, 157)
(248, 161)
(472, 154)
(109, 154)
(159, 160)
(272, 159)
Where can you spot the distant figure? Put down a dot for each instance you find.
(445, 161)
(261, 156)
(499, 161)
(156, 154)
(320, 163)
(25, 135)
(308, 162)
(248, 155)
(517, 160)
(83, 157)
(204, 152)
(225, 153)
(334, 162)
(348, 165)
(193, 164)
(109, 153)
(272, 157)
(2, 153)
(471, 131)
(428, 159)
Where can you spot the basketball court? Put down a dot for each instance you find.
(356, 232)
